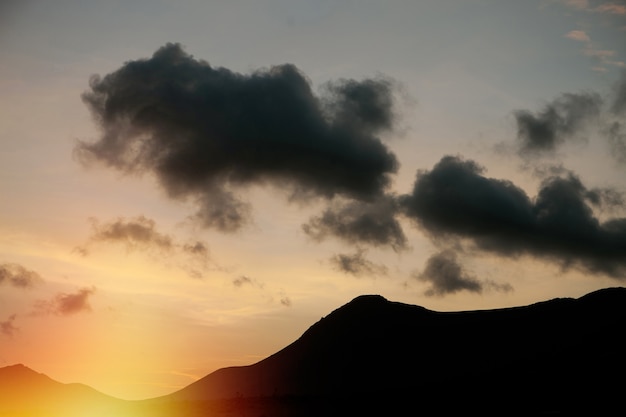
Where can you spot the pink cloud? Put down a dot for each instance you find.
(611, 8)
(577, 4)
(578, 35)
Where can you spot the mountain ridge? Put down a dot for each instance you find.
(325, 360)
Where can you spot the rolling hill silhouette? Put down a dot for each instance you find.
(373, 357)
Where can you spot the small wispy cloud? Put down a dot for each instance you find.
(578, 35)
(244, 280)
(604, 58)
(272, 296)
(65, 304)
(576, 4)
(446, 275)
(356, 264)
(608, 7)
(7, 327)
(603, 54)
(141, 234)
(136, 233)
(611, 8)
(18, 276)
(285, 300)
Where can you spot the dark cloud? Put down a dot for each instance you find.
(221, 209)
(454, 200)
(560, 120)
(7, 327)
(18, 276)
(64, 304)
(356, 264)
(446, 275)
(357, 222)
(206, 132)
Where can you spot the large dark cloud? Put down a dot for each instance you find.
(560, 120)
(207, 132)
(355, 222)
(455, 200)
(18, 276)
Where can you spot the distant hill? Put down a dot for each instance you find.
(26, 393)
(373, 357)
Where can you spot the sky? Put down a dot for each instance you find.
(190, 185)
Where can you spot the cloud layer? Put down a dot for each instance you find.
(207, 132)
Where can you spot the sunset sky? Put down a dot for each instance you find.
(189, 185)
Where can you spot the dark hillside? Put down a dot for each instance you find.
(554, 356)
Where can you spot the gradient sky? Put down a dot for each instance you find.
(137, 279)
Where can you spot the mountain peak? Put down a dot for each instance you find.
(21, 374)
(15, 366)
(18, 369)
(368, 299)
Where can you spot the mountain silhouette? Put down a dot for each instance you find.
(374, 357)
